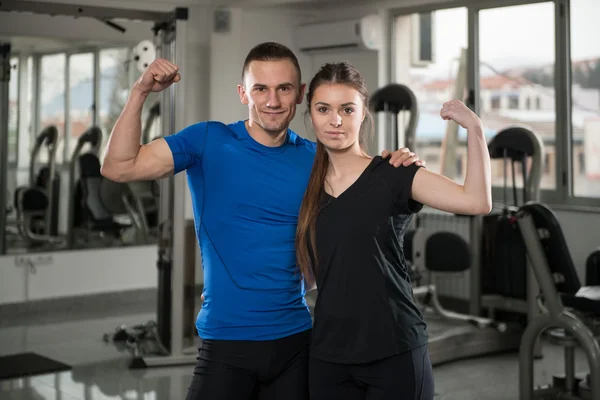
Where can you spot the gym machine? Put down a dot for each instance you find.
(176, 312)
(88, 211)
(504, 275)
(444, 252)
(37, 204)
(453, 335)
(396, 98)
(570, 313)
(171, 340)
(176, 283)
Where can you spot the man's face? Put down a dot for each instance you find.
(272, 90)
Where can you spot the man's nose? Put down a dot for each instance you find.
(273, 99)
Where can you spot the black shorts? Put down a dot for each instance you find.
(252, 370)
(407, 376)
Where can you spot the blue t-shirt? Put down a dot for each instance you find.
(246, 198)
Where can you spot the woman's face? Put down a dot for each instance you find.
(337, 112)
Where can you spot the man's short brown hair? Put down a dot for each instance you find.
(271, 51)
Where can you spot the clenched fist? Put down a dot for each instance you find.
(158, 76)
(456, 111)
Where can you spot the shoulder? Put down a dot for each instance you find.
(399, 181)
(220, 130)
(381, 167)
(301, 143)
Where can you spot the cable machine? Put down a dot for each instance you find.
(175, 308)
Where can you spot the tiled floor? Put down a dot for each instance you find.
(101, 372)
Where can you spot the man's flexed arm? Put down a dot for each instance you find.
(125, 159)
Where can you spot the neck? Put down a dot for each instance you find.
(266, 138)
(346, 161)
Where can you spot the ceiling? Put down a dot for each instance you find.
(24, 43)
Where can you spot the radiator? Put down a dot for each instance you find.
(455, 285)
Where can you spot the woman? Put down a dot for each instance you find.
(369, 337)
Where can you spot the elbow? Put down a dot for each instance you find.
(113, 173)
(484, 206)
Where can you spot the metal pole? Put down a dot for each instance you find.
(475, 222)
(96, 106)
(383, 120)
(539, 264)
(4, 88)
(165, 238)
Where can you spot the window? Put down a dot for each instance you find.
(585, 92)
(518, 62)
(52, 100)
(495, 102)
(434, 82)
(513, 102)
(81, 87)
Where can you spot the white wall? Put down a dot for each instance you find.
(249, 28)
(582, 233)
(57, 274)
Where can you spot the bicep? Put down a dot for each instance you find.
(154, 160)
(440, 192)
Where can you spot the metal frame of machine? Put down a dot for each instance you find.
(572, 326)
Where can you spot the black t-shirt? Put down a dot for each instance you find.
(365, 309)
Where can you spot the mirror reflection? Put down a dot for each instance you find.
(64, 99)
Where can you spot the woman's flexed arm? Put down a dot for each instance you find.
(440, 192)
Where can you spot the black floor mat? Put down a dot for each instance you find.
(27, 364)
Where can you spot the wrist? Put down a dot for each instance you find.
(476, 128)
(137, 92)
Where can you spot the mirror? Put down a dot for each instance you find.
(64, 99)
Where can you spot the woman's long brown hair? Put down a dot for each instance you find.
(306, 253)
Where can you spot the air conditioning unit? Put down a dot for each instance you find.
(361, 34)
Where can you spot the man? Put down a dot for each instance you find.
(247, 180)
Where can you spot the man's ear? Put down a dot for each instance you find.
(243, 95)
(301, 91)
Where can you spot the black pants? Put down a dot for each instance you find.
(407, 376)
(252, 370)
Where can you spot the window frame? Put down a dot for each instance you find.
(562, 197)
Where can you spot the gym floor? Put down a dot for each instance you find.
(100, 371)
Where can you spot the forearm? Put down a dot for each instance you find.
(124, 142)
(478, 179)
